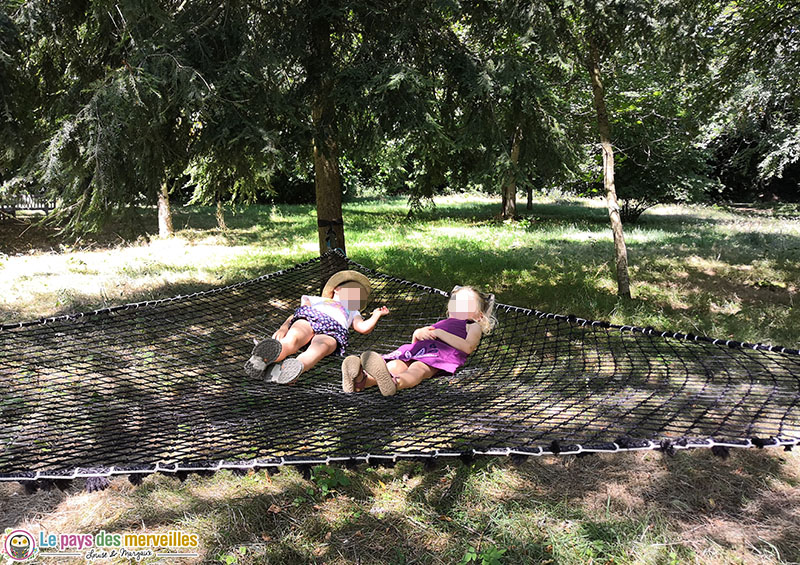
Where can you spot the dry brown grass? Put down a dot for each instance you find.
(635, 508)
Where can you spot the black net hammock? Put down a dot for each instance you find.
(159, 387)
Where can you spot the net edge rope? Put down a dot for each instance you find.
(554, 449)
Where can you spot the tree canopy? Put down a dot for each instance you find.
(104, 103)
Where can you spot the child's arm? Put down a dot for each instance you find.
(281, 331)
(422, 334)
(467, 345)
(363, 326)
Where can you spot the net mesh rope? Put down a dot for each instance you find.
(159, 386)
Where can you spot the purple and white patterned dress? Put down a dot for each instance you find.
(327, 317)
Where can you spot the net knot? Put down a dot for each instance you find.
(94, 484)
(721, 451)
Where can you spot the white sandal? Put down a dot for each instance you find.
(288, 371)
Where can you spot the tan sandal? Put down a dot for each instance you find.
(376, 368)
(353, 377)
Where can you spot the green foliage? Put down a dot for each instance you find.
(754, 133)
(659, 156)
(328, 478)
(101, 103)
(15, 96)
(650, 56)
(116, 95)
(517, 81)
(487, 555)
(755, 140)
(131, 96)
(232, 558)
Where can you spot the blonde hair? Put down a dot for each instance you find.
(485, 305)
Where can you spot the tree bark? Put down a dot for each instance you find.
(529, 205)
(604, 129)
(327, 177)
(221, 216)
(510, 188)
(164, 212)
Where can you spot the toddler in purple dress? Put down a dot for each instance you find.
(442, 347)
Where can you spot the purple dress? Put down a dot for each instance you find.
(433, 352)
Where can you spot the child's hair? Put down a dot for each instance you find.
(485, 305)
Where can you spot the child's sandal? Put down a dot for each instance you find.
(376, 367)
(264, 354)
(353, 377)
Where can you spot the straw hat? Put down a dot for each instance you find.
(343, 277)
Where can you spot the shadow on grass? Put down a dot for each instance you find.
(17, 507)
(249, 224)
(611, 507)
(283, 520)
(613, 500)
(566, 276)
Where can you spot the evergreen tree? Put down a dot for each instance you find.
(756, 97)
(518, 121)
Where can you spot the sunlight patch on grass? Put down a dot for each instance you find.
(672, 296)
(83, 511)
(41, 285)
(495, 484)
(582, 236)
(727, 307)
(705, 265)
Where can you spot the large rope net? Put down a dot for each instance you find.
(159, 387)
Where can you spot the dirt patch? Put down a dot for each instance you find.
(27, 234)
(18, 237)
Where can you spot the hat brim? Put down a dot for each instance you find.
(343, 277)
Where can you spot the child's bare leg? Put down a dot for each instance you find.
(321, 346)
(396, 366)
(415, 374)
(298, 335)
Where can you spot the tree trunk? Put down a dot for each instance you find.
(529, 205)
(164, 212)
(221, 216)
(328, 187)
(327, 178)
(510, 188)
(604, 129)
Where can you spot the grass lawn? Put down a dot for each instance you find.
(729, 273)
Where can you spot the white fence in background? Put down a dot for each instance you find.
(24, 201)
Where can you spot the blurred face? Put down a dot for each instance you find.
(349, 294)
(464, 305)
